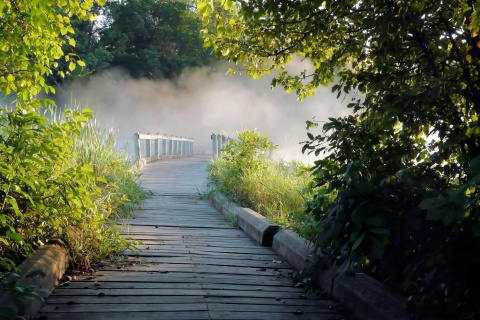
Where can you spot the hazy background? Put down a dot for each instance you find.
(200, 103)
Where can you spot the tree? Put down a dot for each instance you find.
(87, 47)
(154, 38)
(33, 33)
(405, 166)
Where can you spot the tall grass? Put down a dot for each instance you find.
(118, 180)
(96, 146)
(274, 188)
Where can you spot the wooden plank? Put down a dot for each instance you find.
(213, 261)
(125, 307)
(54, 300)
(180, 277)
(99, 285)
(79, 300)
(198, 268)
(101, 292)
(188, 315)
(291, 315)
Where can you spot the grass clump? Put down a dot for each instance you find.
(274, 188)
(59, 181)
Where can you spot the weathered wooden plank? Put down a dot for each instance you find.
(79, 300)
(202, 254)
(198, 268)
(99, 285)
(206, 248)
(126, 307)
(174, 292)
(213, 261)
(189, 315)
(295, 314)
(194, 299)
(180, 277)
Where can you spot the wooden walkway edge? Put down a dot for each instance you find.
(191, 264)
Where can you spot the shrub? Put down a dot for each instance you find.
(48, 192)
(273, 188)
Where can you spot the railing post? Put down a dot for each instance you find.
(157, 147)
(136, 144)
(219, 145)
(148, 145)
(174, 146)
(213, 137)
(164, 147)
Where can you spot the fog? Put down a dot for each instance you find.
(202, 102)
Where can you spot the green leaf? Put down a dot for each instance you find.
(14, 236)
(374, 221)
(8, 312)
(476, 230)
(358, 241)
(378, 248)
(379, 231)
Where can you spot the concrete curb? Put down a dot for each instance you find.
(363, 296)
(293, 248)
(52, 260)
(367, 298)
(257, 226)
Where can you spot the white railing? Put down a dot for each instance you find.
(157, 146)
(219, 142)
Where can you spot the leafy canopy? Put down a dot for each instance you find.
(405, 166)
(33, 33)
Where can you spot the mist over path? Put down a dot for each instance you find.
(201, 102)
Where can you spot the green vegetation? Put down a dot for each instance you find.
(152, 39)
(57, 180)
(404, 168)
(273, 188)
(33, 34)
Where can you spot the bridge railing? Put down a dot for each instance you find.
(219, 142)
(158, 146)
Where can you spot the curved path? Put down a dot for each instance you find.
(191, 265)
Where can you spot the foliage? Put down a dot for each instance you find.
(96, 146)
(49, 191)
(33, 33)
(149, 39)
(274, 188)
(87, 47)
(248, 150)
(404, 167)
(9, 283)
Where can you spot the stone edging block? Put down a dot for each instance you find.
(52, 260)
(367, 298)
(256, 225)
(293, 248)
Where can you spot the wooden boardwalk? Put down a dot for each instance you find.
(192, 264)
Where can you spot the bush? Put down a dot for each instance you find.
(412, 223)
(48, 192)
(273, 188)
